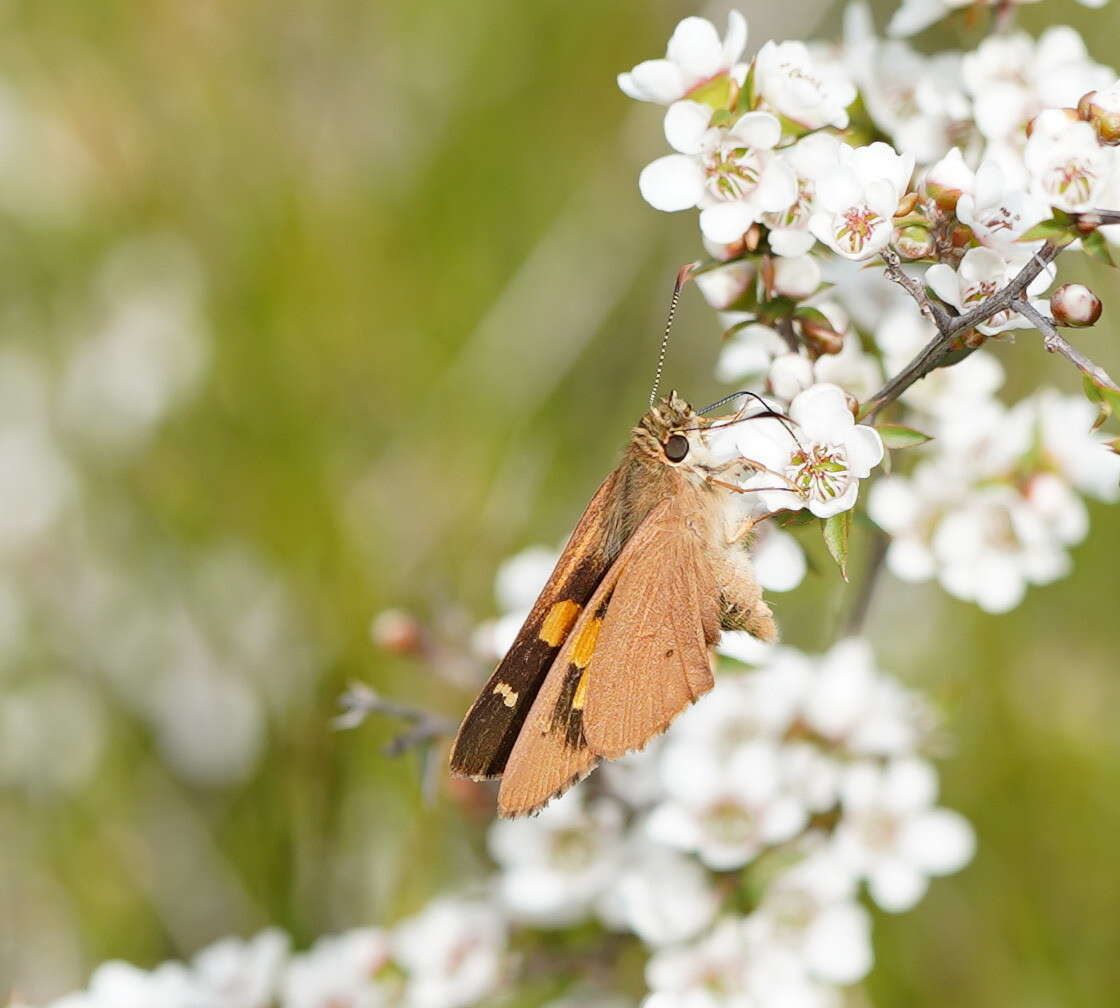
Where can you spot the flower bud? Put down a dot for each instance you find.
(1101, 110)
(906, 204)
(724, 285)
(796, 276)
(914, 242)
(1075, 305)
(397, 632)
(818, 335)
(789, 375)
(948, 180)
(1051, 116)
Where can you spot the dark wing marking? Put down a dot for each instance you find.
(488, 732)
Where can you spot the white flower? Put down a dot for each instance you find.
(707, 974)
(695, 56)
(915, 99)
(851, 704)
(747, 353)
(1067, 166)
(1012, 77)
(999, 215)
(983, 272)
(339, 970)
(556, 864)
(743, 708)
(662, 896)
(810, 910)
(733, 967)
(727, 811)
(453, 953)
(732, 174)
(890, 834)
(1061, 428)
(634, 779)
(119, 985)
(779, 561)
(242, 974)
(816, 461)
(858, 199)
(810, 159)
(793, 86)
(948, 180)
(994, 544)
(796, 277)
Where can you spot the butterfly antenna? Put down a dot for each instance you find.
(682, 278)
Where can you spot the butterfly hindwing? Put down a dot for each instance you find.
(651, 659)
(493, 723)
(637, 656)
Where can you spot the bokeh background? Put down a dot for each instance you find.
(313, 309)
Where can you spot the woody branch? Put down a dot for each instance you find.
(949, 345)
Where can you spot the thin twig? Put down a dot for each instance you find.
(934, 309)
(359, 701)
(1055, 342)
(945, 348)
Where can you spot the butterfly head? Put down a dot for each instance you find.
(671, 433)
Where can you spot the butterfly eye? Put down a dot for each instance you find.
(676, 448)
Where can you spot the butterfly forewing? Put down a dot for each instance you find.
(491, 727)
(636, 657)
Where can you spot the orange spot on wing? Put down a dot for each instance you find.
(558, 622)
(584, 646)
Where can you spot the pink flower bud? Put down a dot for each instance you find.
(948, 180)
(1075, 305)
(398, 632)
(914, 242)
(1101, 110)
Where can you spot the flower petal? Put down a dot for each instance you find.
(758, 129)
(865, 450)
(673, 182)
(655, 81)
(726, 222)
(686, 122)
(822, 413)
(940, 842)
(695, 47)
(735, 41)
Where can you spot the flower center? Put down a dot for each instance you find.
(732, 171)
(820, 471)
(1075, 180)
(730, 823)
(859, 224)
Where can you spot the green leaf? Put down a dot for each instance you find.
(745, 101)
(1097, 247)
(896, 436)
(1107, 399)
(1052, 231)
(836, 532)
(795, 519)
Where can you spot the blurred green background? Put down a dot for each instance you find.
(414, 299)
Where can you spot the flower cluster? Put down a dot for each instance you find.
(802, 779)
(960, 166)
(448, 956)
